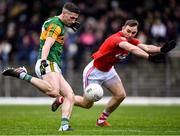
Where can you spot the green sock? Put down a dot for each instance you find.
(27, 78)
(64, 121)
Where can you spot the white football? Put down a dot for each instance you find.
(93, 92)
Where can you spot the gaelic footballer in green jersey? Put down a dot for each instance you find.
(54, 28)
(48, 67)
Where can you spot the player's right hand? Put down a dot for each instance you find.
(161, 57)
(43, 66)
(76, 26)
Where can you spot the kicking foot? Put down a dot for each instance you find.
(103, 124)
(14, 72)
(57, 102)
(65, 128)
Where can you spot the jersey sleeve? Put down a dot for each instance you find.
(135, 41)
(117, 40)
(53, 31)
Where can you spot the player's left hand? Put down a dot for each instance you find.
(161, 57)
(168, 46)
(76, 26)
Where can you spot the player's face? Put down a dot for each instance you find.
(70, 18)
(129, 32)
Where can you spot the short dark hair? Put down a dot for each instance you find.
(131, 22)
(71, 7)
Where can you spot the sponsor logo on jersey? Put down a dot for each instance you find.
(121, 56)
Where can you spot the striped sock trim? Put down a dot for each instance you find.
(64, 121)
(27, 78)
(103, 117)
(105, 113)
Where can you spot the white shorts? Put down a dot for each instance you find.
(93, 75)
(52, 67)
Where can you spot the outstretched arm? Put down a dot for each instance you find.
(150, 48)
(133, 49)
(141, 53)
(168, 46)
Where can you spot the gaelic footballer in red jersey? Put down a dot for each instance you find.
(101, 69)
(110, 53)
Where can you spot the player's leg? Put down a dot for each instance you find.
(43, 85)
(115, 86)
(52, 77)
(89, 76)
(61, 86)
(81, 101)
(67, 106)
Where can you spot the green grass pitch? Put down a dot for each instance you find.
(126, 120)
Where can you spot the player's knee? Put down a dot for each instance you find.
(123, 95)
(53, 91)
(53, 94)
(49, 88)
(70, 97)
(120, 96)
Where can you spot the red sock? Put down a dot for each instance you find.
(103, 117)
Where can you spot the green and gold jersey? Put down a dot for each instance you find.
(54, 28)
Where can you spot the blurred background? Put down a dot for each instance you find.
(20, 27)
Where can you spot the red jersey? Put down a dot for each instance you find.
(110, 53)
